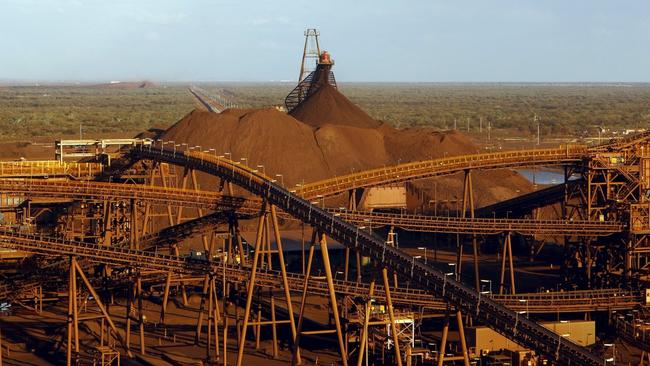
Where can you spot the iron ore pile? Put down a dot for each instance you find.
(86, 245)
(326, 136)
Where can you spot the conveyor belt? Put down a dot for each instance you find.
(250, 207)
(551, 302)
(496, 316)
(461, 225)
(568, 155)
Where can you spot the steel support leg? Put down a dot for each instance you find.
(335, 310)
(295, 359)
(251, 287)
(102, 308)
(165, 300)
(443, 341)
(461, 335)
(199, 320)
(283, 271)
(468, 205)
(274, 331)
(512, 267)
(391, 314)
(72, 317)
(138, 286)
(363, 338)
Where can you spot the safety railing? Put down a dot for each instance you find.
(424, 169)
(480, 225)
(498, 317)
(48, 168)
(151, 194)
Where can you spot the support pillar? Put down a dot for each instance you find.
(391, 315)
(332, 298)
(73, 321)
(443, 341)
(295, 359)
(73, 312)
(461, 335)
(138, 287)
(468, 204)
(283, 272)
(332, 294)
(507, 255)
(250, 288)
(363, 337)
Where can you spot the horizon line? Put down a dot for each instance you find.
(23, 82)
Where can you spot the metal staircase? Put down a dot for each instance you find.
(308, 86)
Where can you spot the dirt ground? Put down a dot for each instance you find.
(36, 339)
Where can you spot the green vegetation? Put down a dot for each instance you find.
(27, 112)
(563, 109)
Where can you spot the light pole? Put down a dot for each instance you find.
(369, 224)
(489, 282)
(613, 358)
(435, 198)
(536, 119)
(425, 253)
(599, 135)
(281, 179)
(245, 160)
(453, 265)
(524, 301)
(263, 169)
(559, 342)
(413, 264)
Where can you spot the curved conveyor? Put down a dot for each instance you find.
(496, 316)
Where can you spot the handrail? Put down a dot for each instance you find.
(570, 301)
(449, 224)
(496, 316)
(48, 168)
(214, 200)
(443, 166)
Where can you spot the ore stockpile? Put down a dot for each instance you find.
(322, 236)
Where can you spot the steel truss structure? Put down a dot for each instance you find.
(117, 225)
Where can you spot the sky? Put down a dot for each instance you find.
(371, 41)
